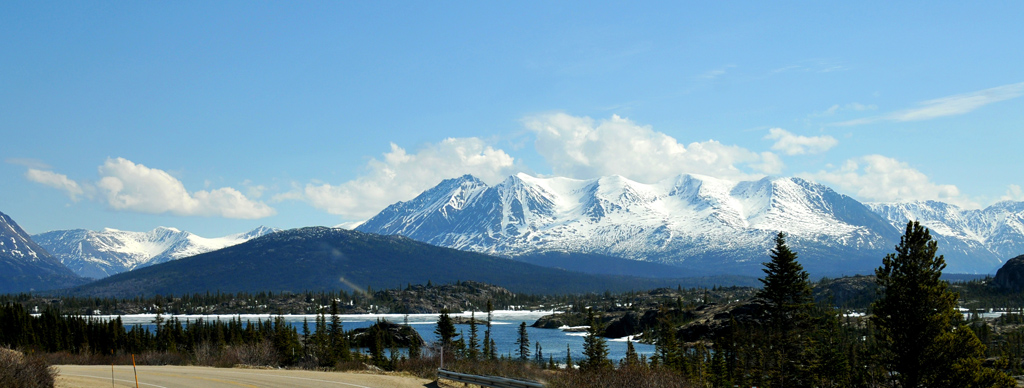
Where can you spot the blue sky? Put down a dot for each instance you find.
(217, 117)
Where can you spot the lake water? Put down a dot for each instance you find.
(504, 330)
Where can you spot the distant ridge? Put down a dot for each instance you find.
(320, 258)
(98, 254)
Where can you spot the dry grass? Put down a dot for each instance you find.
(634, 377)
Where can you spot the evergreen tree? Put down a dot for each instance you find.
(924, 340)
(594, 347)
(523, 342)
(337, 338)
(568, 357)
(473, 348)
(631, 359)
(788, 304)
(445, 329)
(487, 351)
(415, 350)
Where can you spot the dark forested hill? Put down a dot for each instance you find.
(321, 258)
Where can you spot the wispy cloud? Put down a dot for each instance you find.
(946, 106)
(715, 73)
(790, 144)
(29, 162)
(836, 108)
(813, 66)
(1013, 193)
(57, 181)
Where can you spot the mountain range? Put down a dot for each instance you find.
(98, 254)
(321, 258)
(25, 266)
(685, 227)
(702, 224)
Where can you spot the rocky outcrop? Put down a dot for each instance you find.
(852, 291)
(393, 334)
(456, 297)
(1011, 275)
(713, 320)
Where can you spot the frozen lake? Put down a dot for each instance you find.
(504, 329)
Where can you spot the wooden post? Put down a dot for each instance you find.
(111, 368)
(136, 371)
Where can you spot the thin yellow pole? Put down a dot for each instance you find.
(136, 371)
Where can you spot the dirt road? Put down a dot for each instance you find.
(80, 376)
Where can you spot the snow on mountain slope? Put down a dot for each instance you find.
(98, 254)
(26, 266)
(971, 240)
(704, 223)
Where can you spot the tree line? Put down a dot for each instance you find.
(915, 335)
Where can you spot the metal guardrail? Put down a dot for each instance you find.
(487, 381)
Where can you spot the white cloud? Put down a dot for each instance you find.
(882, 179)
(947, 106)
(791, 144)
(135, 187)
(1013, 193)
(580, 147)
(57, 181)
(400, 176)
(124, 185)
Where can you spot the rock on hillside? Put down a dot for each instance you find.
(461, 296)
(1011, 275)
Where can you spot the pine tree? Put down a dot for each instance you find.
(788, 303)
(523, 342)
(924, 340)
(473, 347)
(487, 351)
(568, 357)
(445, 329)
(631, 359)
(594, 347)
(336, 335)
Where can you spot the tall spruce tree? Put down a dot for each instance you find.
(523, 342)
(445, 329)
(473, 347)
(788, 304)
(924, 340)
(594, 346)
(488, 353)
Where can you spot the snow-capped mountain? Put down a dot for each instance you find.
(706, 224)
(25, 266)
(972, 240)
(98, 254)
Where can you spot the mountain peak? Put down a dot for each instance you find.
(26, 266)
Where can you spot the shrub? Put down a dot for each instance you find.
(20, 371)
